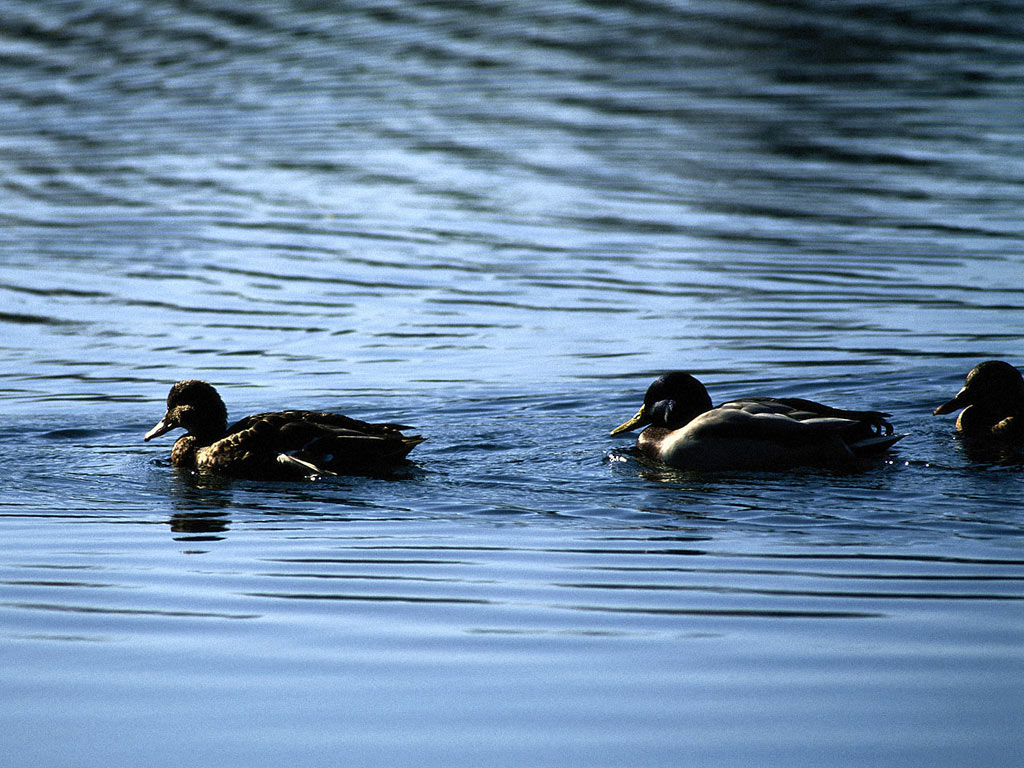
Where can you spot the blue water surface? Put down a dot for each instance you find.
(499, 222)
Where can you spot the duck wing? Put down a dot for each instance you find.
(311, 442)
(767, 420)
(805, 423)
(799, 409)
(278, 419)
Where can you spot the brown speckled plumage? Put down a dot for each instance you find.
(281, 444)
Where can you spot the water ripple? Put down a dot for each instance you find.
(499, 222)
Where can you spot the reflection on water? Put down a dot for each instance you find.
(200, 523)
(499, 223)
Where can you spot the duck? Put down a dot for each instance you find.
(684, 430)
(279, 445)
(991, 403)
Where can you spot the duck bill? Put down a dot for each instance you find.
(639, 419)
(962, 400)
(162, 427)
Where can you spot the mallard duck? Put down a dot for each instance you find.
(992, 400)
(756, 433)
(283, 444)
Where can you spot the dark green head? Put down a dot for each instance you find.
(672, 401)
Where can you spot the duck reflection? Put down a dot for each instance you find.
(200, 523)
(202, 502)
(979, 451)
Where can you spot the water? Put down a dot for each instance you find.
(499, 222)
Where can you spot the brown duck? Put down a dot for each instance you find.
(992, 400)
(283, 444)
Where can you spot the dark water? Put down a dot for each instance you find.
(498, 221)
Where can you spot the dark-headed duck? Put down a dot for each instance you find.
(756, 433)
(992, 400)
(283, 444)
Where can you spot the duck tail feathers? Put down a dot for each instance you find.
(874, 446)
(409, 442)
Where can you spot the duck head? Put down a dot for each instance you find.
(196, 407)
(671, 402)
(993, 384)
(993, 391)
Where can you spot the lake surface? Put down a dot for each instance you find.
(499, 222)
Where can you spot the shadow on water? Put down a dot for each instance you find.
(630, 459)
(206, 502)
(989, 453)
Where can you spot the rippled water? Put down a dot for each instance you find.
(498, 222)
